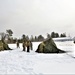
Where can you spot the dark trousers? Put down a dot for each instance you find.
(23, 48)
(28, 49)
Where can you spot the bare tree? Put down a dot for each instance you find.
(10, 32)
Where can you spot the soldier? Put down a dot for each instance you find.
(24, 45)
(17, 44)
(28, 46)
(31, 45)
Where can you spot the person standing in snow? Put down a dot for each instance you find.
(28, 46)
(17, 43)
(24, 45)
(31, 45)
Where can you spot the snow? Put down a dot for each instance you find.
(19, 62)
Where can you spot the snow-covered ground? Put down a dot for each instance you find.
(19, 62)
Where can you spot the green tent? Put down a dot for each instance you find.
(48, 46)
(1, 45)
(4, 46)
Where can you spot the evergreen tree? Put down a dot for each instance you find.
(53, 34)
(48, 36)
(31, 38)
(36, 38)
(63, 35)
(27, 37)
(56, 35)
(40, 38)
(23, 37)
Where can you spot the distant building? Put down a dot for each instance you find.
(62, 39)
(74, 39)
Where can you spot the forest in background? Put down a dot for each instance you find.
(8, 36)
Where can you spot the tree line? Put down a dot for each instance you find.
(8, 36)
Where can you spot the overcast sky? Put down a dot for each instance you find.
(34, 17)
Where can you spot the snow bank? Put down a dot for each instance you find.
(19, 62)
